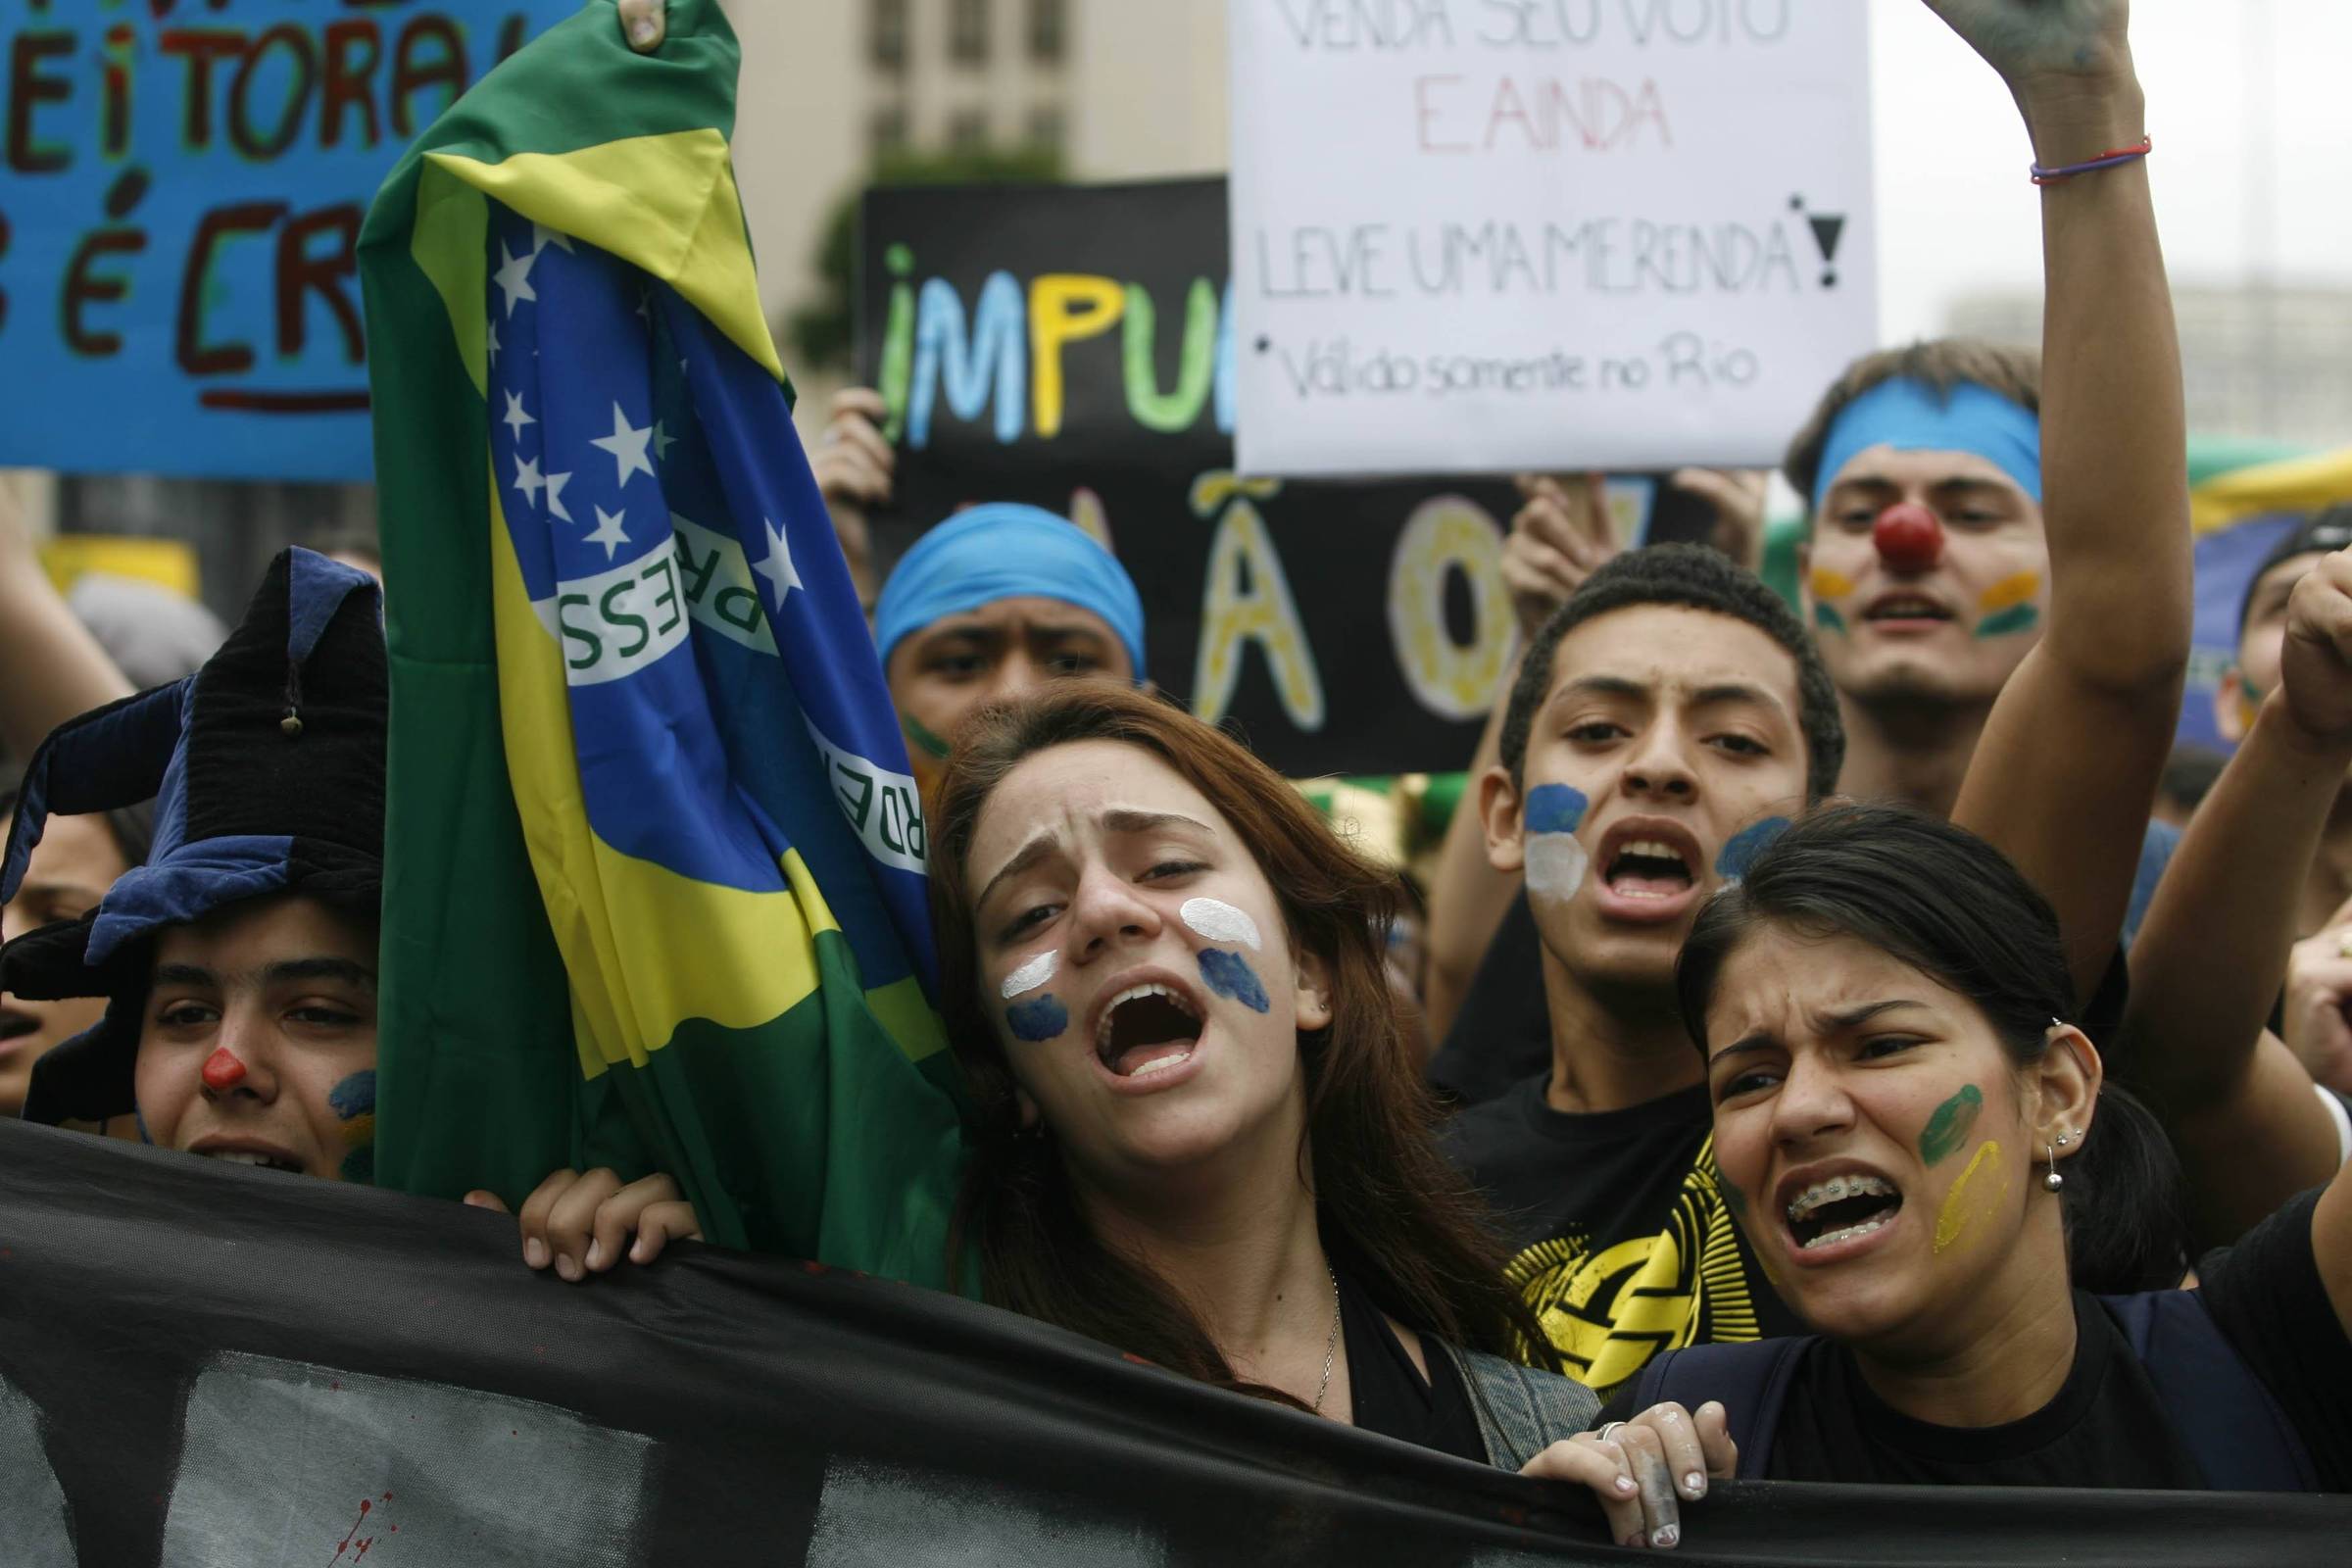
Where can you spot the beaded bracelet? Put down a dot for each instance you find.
(2106, 160)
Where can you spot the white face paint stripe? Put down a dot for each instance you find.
(1029, 976)
(1556, 865)
(1219, 921)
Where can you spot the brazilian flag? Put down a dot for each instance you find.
(654, 879)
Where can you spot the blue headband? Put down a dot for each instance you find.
(1910, 415)
(1004, 550)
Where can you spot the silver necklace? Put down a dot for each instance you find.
(1331, 1345)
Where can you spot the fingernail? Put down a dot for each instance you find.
(566, 1266)
(1637, 1539)
(535, 1252)
(1666, 1536)
(1624, 1483)
(1696, 1484)
(641, 31)
(596, 1253)
(637, 1251)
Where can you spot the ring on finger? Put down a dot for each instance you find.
(1602, 1435)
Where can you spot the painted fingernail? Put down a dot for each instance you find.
(535, 1252)
(1696, 1484)
(1624, 1483)
(637, 1252)
(641, 31)
(1666, 1536)
(596, 1253)
(1637, 1539)
(566, 1266)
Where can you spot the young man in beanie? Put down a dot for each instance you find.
(239, 962)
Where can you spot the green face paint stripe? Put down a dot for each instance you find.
(1948, 1128)
(2016, 619)
(923, 737)
(1825, 616)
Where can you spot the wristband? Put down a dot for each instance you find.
(2106, 160)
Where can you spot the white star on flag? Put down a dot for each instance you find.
(777, 567)
(609, 531)
(555, 495)
(515, 418)
(627, 447)
(513, 276)
(493, 329)
(526, 478)
(662, 443)
(541, 236)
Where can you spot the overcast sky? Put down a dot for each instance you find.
(2232, 84)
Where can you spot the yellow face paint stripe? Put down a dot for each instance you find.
(1827, 584)
(1969, 1201)
(2009, 592)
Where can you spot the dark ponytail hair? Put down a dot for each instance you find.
(1949, 905)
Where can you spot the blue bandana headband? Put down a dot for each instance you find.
(1910, 415)
(1008, 551)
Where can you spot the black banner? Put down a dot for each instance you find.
(1069, 346)
(234, 1368)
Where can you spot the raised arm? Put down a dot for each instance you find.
(1558, 539)
(51, 669)
(2212, 952)
(2067, 768)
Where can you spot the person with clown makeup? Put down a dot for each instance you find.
(238, 963)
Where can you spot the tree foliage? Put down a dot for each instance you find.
(824, 332)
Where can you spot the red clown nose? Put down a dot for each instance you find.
(222, 1069)
(1908, 537)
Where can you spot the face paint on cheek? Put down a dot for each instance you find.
(1029, 976)
(1230, 976)
(1746, 845)
(1041, 1019)
(353, 1101)
(923, 737)
(2008, 608)
(1827, 585)
(1556, 862)
(1948, 1127)
(1980, 1191)
(1218, 921)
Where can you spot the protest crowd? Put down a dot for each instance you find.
(1803, 1054)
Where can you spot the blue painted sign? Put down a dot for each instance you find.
(182, 185)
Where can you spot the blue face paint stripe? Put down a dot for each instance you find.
(1555, 808)
(1230, 976)
(1038, 1018)
(355, 1095)
(1746, 844)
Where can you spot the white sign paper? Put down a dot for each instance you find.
(1487, 235)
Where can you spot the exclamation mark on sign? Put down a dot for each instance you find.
(1827, 229)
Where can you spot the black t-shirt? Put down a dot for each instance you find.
(1621, 1243)
(2106, 1426)
(1392, 1397)
(1502, 1032)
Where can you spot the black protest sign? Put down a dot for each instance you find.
(205, 1364)
(1071, 346)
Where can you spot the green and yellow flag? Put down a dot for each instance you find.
(654, 879)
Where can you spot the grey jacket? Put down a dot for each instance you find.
(1521, 1411)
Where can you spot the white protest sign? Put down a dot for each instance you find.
(1485, 236)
